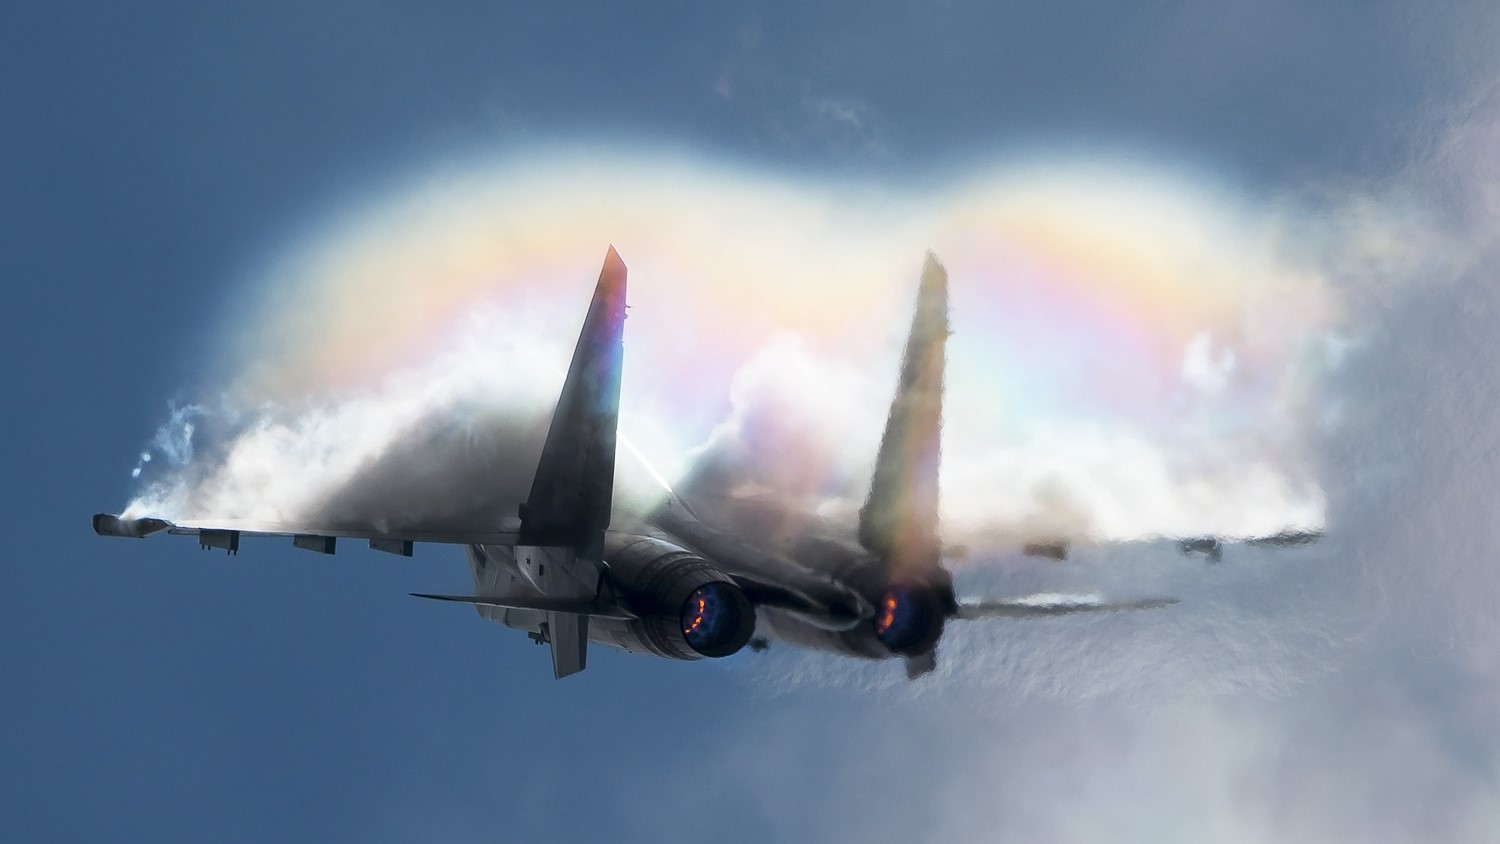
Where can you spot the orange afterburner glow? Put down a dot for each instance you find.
(699, 610)
(716, 619)
(887, 615)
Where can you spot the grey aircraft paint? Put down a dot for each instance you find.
(698, 579)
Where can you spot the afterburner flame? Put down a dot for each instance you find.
(700, 610)
(887, 615)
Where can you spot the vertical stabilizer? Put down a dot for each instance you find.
(570, 497)
(568, 634)
(899, 520)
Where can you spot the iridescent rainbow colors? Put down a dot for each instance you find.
(1134, 353)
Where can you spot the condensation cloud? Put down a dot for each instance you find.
(1135, 354)
(1340, 692)
(1137, 351)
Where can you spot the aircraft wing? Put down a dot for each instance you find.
(1212, 547)
(1039, 606)
(225, 534)
(1209, 547)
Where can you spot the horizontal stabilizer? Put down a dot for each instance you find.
(570, 606)
(1033, 608)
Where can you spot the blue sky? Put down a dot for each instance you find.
(157, 157)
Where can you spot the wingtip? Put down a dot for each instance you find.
(108, 524)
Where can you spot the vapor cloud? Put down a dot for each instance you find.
(1137, 353)
(1342, 692)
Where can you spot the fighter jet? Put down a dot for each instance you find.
(679, 584)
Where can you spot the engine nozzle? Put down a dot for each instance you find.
(909, 619)
(717, 619)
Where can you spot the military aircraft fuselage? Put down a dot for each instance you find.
(675, 604)
(571, 568)
(677, 571)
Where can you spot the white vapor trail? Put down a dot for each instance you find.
(1134, 356)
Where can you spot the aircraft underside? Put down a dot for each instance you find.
(676, 584)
